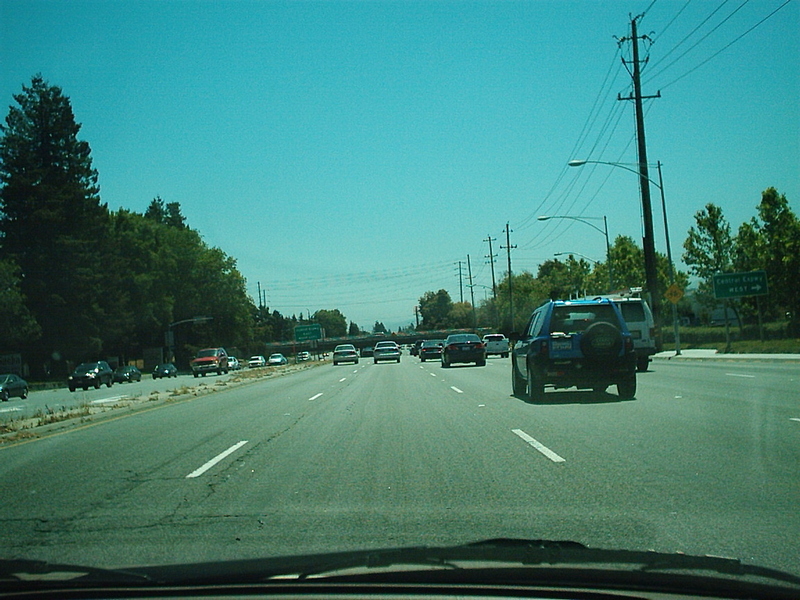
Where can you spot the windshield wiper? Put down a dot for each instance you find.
(32, 571)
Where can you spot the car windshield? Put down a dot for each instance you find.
(588, 211)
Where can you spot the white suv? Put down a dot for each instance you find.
(639, 320)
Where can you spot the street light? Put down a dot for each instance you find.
(650, 284)
(604, 231)
(171, 334)
(591, 260)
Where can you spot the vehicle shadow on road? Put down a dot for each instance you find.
(562, 397)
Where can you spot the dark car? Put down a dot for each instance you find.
(583, 343)
(12, 385)
(463, 348)
(165, 370)
(366, 351)
(91, 374)
(127, 373)
(430, 349)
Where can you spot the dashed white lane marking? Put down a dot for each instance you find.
(539, 446)
(215, 460)
(455, 389)
(794, 419)
(12, 409)
(740, 375)
(342, 379)
(315, 397)
(432, 374)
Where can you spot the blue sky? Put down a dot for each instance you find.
(350, 154)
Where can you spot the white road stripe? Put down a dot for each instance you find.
(540, 447)
(455, 389)
(2, 410)
(215, 460)
(315, 397)
(342, 379)
(740, 375)
(107, 400)
(432, 374)
(794, 419)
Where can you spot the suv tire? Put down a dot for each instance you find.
(535, 387)
(601, 340)
(518, 384)
(627, 389)
(642, 364)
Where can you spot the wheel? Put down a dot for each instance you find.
(504, 355)
(398, 360)
(535, 386)
(4, 396)
(627, 389)
(86, 387)
(204, 373)
(24, 393)
(335, 363)
(109, 383)
(421, 359)
(195, 374)
(376, 361)
(518, 384)
(642, 363)
(72, 388)
(601, 340)
(97, 384)
(480, 363)
(445, 364)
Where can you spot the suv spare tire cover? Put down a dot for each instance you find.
(601, 340)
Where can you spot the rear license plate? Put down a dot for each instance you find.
(466, 348)
(561, 345)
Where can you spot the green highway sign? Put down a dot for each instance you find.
(307, 333)
(736, 285)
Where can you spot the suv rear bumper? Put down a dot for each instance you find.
(582, 373)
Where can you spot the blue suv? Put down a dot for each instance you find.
(581, 343)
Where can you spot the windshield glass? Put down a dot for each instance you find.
(184, 179)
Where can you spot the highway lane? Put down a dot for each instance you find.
(703, 461)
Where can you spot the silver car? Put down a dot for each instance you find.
(386, 351)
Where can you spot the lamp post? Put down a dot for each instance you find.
(171, 335)
(651, 285)
(604, 231)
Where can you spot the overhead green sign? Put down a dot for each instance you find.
(736, 285)
(307, 333)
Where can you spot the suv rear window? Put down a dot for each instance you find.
(632, 311)
(567, 319)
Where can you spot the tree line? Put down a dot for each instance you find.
(770, 241)
(81, 282)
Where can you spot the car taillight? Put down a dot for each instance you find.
(480, 345)
(628, 344)
(544, 348)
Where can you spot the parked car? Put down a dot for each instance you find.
(210, 360)
(496, 343)
(127, 373)
(12, 385)
(303, 356)
(463, 348)
(257, 361)
(345, 353)
(430, 349)
(386, 351)
(233, 363)
(582, 343)
(165, 370)
(277, 359)
(91, 374)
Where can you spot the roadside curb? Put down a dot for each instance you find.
(711, 354)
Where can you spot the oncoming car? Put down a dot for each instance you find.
(277, 359)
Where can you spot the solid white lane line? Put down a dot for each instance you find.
(315, 397)
(12, 409)
(455, 389)
(215, 460)
(740, 375)
(540, 447)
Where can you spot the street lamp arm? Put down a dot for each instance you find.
(581, 219)
(580, 163)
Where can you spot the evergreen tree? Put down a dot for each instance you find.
(52, 223)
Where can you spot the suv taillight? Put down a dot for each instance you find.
(543, 349)
(628, 344)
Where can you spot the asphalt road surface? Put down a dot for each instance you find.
(703, 461)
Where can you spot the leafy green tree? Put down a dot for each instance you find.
(709, 249)
(52, 224)
(16, 321)
(435, 309)
(771, 242)
(333, 322)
